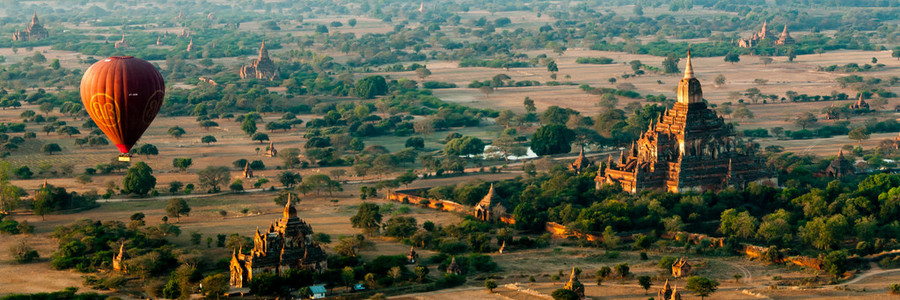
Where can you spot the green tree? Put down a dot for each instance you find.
(732, 57)
(196, 237)
(367, 218)
(719, 80)
(321, 182)
(742, 112)
(182, 163)
(371, 86)
(139, 179)
(400, 227)
(528, 218)
(702, 286)
(22, 253)
(176, 208)
(348, 276)
(564, 294)
(670, 64)
(260, 137)
(805, 119)
(208, 139)
(212, 177)
(43, 203)
(490, 285)
(610, 238)
(351, 245)
(38, 57)
(423, 73)
(529, 105)
(289, 179)
(464, 146)
(50, 148)
(249, 126)
(645, 283)
(176, 131)
(552, 139)
(859, 134)
(508, 146)
(623, 270)
(486, 90)
(68, 130)
(236, 186)
(740, 225)
(214, 286)
(551, 67)
(835, 263)
(417, 143)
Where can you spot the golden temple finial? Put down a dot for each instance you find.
(688, 69)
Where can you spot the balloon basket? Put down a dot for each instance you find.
(124, 157)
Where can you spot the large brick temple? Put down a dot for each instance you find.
(260, 68)
(286, 245)
(34, 32)
(689, 148)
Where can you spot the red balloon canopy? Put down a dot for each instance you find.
(122, 94)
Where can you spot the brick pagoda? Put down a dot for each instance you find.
(689, 148)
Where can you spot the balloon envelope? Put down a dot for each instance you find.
(122, 94)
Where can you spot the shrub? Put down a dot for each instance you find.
(23, 253)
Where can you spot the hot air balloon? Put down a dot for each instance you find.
(122, 94)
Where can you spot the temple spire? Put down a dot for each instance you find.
(688, 69)
(263, 52)
(289, 210)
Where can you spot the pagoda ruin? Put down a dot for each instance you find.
(271, 151)
(286, 245)
(581, 163)
(668, 293)
(489, 208)
(412, 257)
(454, 268)
(34, 32)
(689, 148)
(860, 104)
(260, 68)
(840, 167)
(574, 285)
(248, 172)
(681, 268)
(118, 261)
(785, 38)
(122, 43)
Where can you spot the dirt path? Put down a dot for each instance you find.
(748, 276)
(470, 292)
(868, 274)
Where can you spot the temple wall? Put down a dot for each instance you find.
(406, 196)
(559, 231)
(696, 238)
